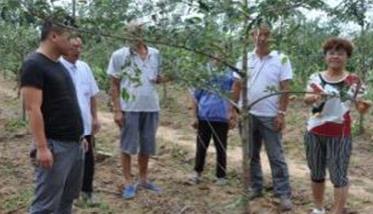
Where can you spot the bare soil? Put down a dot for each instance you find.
(172, 166)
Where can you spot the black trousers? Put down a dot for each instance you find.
(89, 165)
(219, 132)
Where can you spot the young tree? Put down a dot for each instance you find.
(189, 32)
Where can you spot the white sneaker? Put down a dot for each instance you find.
(195, 178)
(318, 211)
(89, 198)
(221, 181)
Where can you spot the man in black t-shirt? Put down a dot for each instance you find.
(55, 123)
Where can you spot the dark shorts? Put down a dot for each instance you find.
(139, 133)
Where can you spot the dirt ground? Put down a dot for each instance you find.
(173, 164)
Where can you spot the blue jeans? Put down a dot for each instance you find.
(262, 130)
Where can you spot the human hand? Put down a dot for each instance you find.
(44, 157)
(195, 124)
(279, 123)
(96, 125)
(233, 119)
(362, 106)
(85, 145)
(119, 118)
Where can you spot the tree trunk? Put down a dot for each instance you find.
(165, 94)
(363, 73)
(245, 118)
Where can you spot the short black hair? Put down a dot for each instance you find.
(262, 28)
(53, 25)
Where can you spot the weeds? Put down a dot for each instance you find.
(17, 201)
(15, 124)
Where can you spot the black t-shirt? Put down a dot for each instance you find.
(60, 108)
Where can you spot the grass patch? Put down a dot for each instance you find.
(15, 124)
(101, 207)
(8, 168)
(18, 201)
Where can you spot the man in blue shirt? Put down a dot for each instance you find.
(214, 115)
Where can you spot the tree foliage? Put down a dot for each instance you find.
(189, 31)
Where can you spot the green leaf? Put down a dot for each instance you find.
(125, 95)
(203, 6)
(284, 59)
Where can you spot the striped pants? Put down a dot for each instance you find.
(328, 152)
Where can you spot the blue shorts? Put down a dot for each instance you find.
(139, 133)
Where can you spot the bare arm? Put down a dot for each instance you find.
(115, 98)
(194, 109)
(115, 93)
(94, 107)
(95, 122)
(283, 104)
(284, 98)
(236, 90)
(310, 99)
(33, 100)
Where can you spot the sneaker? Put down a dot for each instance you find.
(129, 192)
(150, 186)
(195, 178)
(318, 211)
(285, 203)
(221, 181)
(89, 198)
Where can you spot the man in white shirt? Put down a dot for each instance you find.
(87, 90)
(267, 69)
(134, 73)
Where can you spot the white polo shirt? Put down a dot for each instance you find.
(85, 86)
(144, 96)
(263, 74)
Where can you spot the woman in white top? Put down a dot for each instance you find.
(328, 140)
